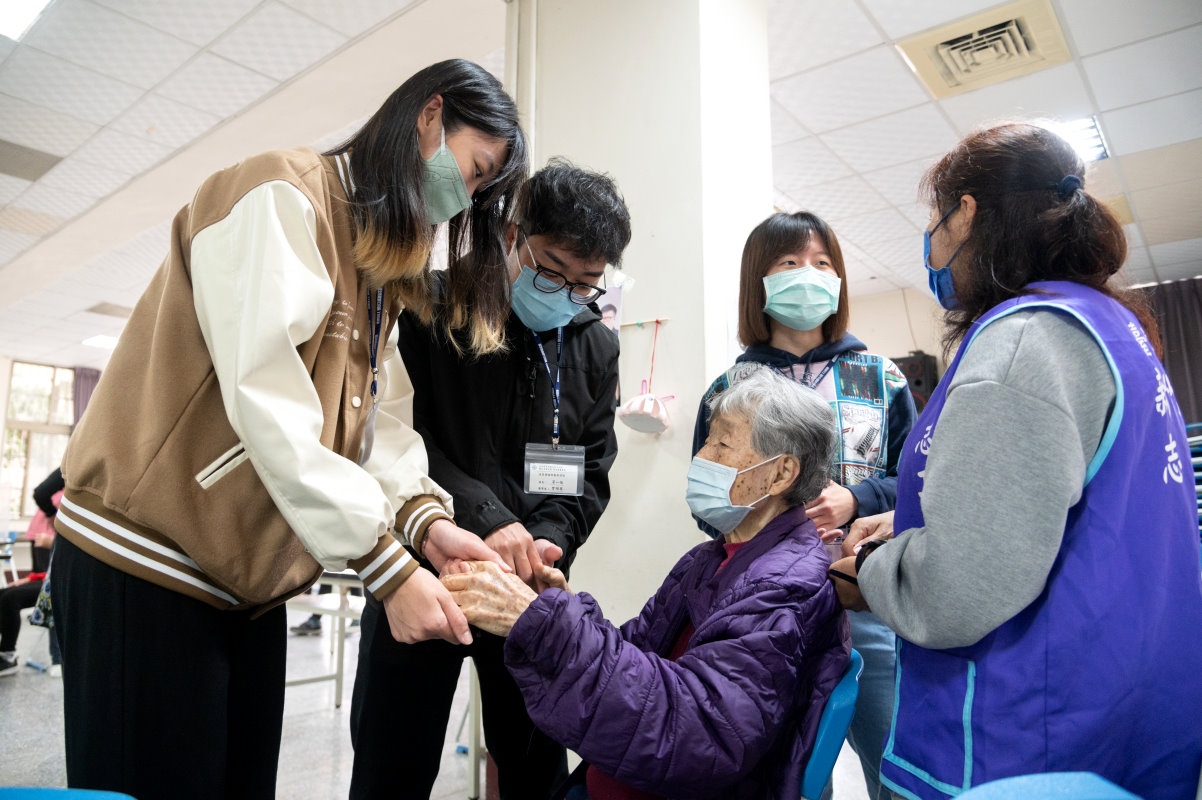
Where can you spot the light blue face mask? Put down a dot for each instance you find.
(708, 494)
(940, 280)
(801, 298)
(442, 185)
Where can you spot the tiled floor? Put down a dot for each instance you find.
(315, 755)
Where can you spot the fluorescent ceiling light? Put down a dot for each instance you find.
(101, 341)
(1085, 137)
(18, 16)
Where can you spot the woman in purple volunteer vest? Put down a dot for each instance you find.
(1041, 569)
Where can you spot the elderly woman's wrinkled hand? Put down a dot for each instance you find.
(491, 600)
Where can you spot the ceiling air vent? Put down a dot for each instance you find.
(996, 45)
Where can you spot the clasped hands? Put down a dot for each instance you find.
(493, 599)
(878, 527)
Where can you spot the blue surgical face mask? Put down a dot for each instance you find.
(708, 493)
(801, 298)
(539, 310)
(443, 188)
(940, 280)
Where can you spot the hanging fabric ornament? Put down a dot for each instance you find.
(645, 412)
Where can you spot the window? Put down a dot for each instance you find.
(41, 411)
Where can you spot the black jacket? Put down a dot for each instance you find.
(476, 415)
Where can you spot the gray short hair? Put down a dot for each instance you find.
(787, 418)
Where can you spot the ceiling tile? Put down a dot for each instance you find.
(1054, 93)
(171, 124)
(918, 213)
(842, 198)
(1102, 178)
(805, 34)
(350, 19)
(1131, 276)
(1170, 164)
(878, 226)
(805, 162)
(895, 254)
(1169, 213)
(50, 200)
(1176, 272)
(1096, 25)
(48, 81)
(216, 85)
(784, 127)
(858, 264)
(10, 187)
(278, 41)
(1134, 237)
(121, 152)
(895, 139)
(899, 184)
(1166, 121)
(1188, 251)
(12, 243)
(869, 286)
(82, 177)
(38, 127)
(22, 220)
(900, 18)
(1138, 258)
(849, 91)
(112, 44)
(198, 23)
(6, 47)
(1147, 70)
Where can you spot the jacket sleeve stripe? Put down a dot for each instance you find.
(375, 585)
(381, 559)
(418, 518)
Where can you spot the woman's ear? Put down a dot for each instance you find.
(961, 223)
(429, 127)
(787, 470)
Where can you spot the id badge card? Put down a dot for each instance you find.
(554, 470)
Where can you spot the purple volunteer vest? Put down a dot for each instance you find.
(1103, 671)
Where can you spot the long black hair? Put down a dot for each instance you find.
(394, 234)
(1030, 223)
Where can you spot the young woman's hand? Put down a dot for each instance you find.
(868, 529)
(446, 540)
(517, 548)
(423, 609)
(834, 507)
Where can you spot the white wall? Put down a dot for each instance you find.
(892, 324)
(675, 134)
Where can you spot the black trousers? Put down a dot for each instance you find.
(12, 600)
(399, 710)
(164, 696)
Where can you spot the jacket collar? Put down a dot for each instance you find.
(766, 354)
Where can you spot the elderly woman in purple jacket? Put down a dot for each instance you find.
(716, 688)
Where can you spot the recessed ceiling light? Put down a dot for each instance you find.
(101, 341)
(1085, 137)
(18, 16)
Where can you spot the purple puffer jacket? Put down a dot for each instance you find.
(736, 715)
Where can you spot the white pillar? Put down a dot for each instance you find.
(671, 98)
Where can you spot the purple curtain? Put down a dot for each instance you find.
(1178, 308)
(86, 379)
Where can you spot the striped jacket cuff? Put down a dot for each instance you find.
(385, 568)
(415, 518)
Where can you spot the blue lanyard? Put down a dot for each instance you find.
(555, 380)
(805, 379)
(376, 318)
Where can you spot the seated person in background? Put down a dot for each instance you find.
(716, 688)
(23, 593)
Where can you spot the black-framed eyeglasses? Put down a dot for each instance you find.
(549, 281)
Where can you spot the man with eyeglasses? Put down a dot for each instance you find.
(523, 440)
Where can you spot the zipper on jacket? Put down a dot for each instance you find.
(224, 465)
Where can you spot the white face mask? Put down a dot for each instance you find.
(708, 494)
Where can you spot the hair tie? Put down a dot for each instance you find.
(1068, 184)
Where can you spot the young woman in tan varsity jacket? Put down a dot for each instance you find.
(253, 428)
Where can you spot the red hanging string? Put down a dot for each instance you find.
(651, 373)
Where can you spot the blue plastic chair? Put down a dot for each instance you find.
(1050, 786)
(28, 793)
(832, 730)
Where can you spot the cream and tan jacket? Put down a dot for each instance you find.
(222, 454)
